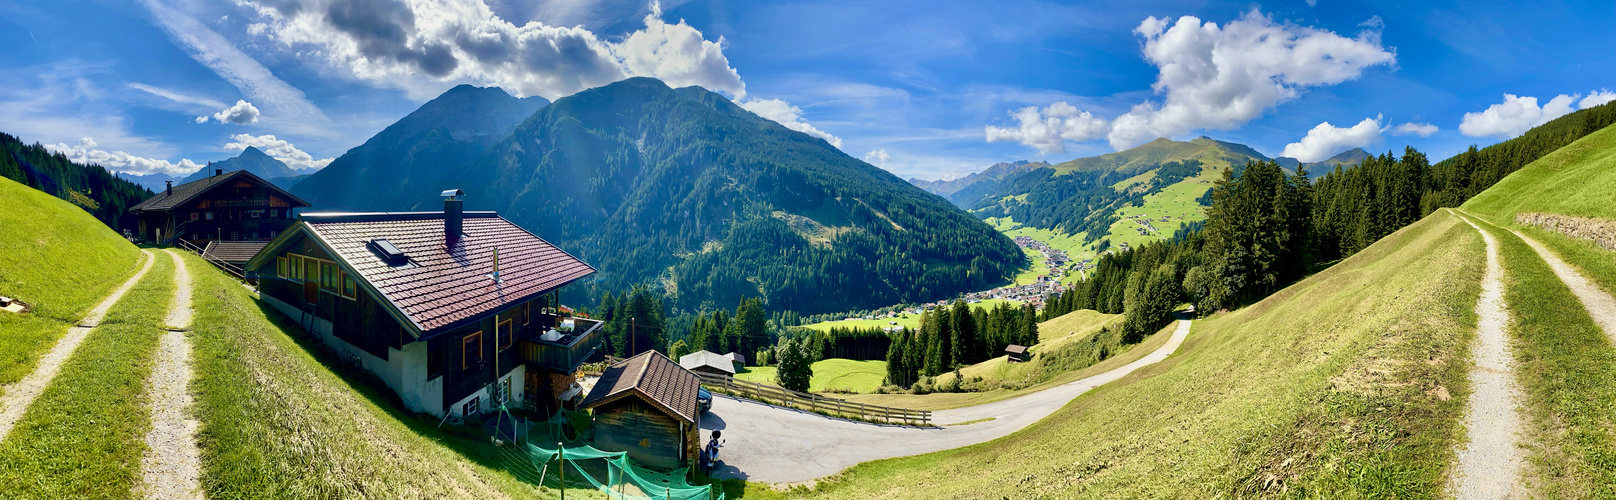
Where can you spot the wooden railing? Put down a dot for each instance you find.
(226, 266)
(815, 403)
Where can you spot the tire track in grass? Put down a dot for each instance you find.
(16, 398)
(1489, 465)
(171, 467)
(1599, 304)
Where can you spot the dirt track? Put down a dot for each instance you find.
(1489, 465)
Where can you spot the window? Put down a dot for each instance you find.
(272, 234)
(294, 263)
(349, 288)
(473, 406)
(255, 235)
(504, 390)
(471, 351)
(256, 214)
(274, 212)
(311, 270)
(208, 215)
(280, 267)
(235, 235)
(502, 334)
(329, 276)
(525, 310)
(195, 216)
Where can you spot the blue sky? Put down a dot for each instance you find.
(918, 88)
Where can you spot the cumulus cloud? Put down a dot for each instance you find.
(788, 115)
(87, 152)
(1049, 128)
(1518, 114)
(278, 149)
(878, 157)
(241, 113)
(1220, 77)
(1412, 128)
(1596, 98)
(393, 41)
(1326, 140)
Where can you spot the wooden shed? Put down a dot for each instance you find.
(1016, 352)
(708, 362)
(646, 406)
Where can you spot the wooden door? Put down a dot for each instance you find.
(311, 280)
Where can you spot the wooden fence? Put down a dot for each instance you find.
(815, 403)
(232, 269)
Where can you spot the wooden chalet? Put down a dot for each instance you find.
(439, 305)
(233, 206)
(710, 363)
(646, 406)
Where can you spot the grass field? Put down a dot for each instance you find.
(1334, 387)
(904, 320)
(58, 259)
(835, 374)
(278, 422)
(85, 434)
(1077, 321)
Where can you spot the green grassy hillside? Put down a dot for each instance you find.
(835, 374)
(60, 260)
(1347, 384)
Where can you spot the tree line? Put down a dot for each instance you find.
(91, 187)
(958, 335)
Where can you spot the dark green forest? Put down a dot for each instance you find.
(1075, 201)
(91, 187)
(955, 336)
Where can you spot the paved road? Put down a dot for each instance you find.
(776, 445)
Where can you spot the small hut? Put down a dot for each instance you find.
(646, 406)
(708, 362)
(1017, 353)
(739, 359)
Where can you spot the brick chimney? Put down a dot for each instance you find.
(453, 208)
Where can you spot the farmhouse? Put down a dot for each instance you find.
(234, 206)
(455, 311)
(646, 406)
(708, 362)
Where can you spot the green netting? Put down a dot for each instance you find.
(623, 478)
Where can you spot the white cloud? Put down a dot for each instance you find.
(1048, 129)
(406, 43)
(245, 73)
(788, 115)
(1516, 115)
(202, 119)
(1326, 140)
(878, 157)
(1596, 98)
(278, 149)
(178, 96)
(86, 152)
(241, 113)
(1222, 77)
(1413, 128)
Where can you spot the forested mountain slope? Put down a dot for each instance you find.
(91, 187)
(685, 188)
(405, 165)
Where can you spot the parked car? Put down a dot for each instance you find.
(704, 399)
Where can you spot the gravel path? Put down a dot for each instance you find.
(1598, 303)
(770, 444)
(1489, 465)
(171, 467)
(17, 397)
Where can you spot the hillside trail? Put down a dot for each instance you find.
(171, 467)
(1489, 465)
(770, 444)
(1599, 304)
(15, 398)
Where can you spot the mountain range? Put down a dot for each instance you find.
(251, 159)
(945, 187)
(682, 189)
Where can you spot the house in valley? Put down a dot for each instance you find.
(454, 310)
(646, 406)
(233, 206)
(708, 362)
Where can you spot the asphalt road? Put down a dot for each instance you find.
(769, 444)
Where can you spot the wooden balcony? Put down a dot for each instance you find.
(565, 353)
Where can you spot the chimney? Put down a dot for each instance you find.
(218, 171)
(170, 190)
(453, 207)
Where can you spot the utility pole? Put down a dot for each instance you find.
(633, 338)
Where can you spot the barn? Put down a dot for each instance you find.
(708, 362)
(646, 406)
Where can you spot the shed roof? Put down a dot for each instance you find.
(444, 284)
(233, 251)
(708, 359)
(182, 193)
(1015, 349)
(655, 378)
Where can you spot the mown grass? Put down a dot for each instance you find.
(1566, 365)
(279, 422)
(85, 434)
(1081, 320)
(830, 375)
(58, 259)
(1348, 384)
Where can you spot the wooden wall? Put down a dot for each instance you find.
(650, 436)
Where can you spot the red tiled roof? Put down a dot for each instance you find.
(654, 377)
(443, 285)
